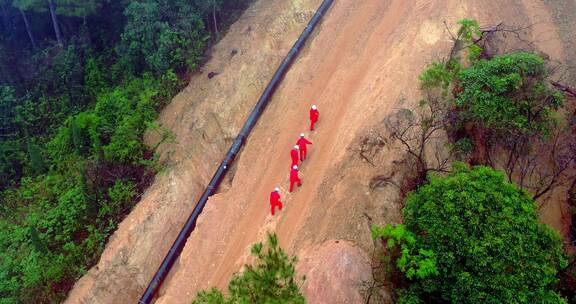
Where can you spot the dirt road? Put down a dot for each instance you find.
(365, 56)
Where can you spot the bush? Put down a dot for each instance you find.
(472, 237)
(159, 35)
(271, 280)
(119, 197)
(437, 75)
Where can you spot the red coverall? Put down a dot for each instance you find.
(294, 156)
(294, 179)
(302, 142)
(314, 114)
(275, 202)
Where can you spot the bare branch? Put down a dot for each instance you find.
(449, 31)
(564, 88)
(415, 130)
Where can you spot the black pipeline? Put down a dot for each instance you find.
(180, 241)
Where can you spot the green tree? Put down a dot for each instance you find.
(472, 237)
(270, 280)
(508, 95)
(161, 35)
(208, 8)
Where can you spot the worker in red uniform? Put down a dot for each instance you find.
(314, 115)
(302, 142)
(275, 200)
(294, 178)
(294, 155)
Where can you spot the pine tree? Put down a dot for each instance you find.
(270, 280)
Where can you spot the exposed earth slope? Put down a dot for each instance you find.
(363, 58)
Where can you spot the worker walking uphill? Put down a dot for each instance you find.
(314, 115)
(294, 155)
(302, 142)
(275, 200)
(294, 178)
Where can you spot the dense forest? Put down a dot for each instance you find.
(80, 83)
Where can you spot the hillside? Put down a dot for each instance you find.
(363, 59)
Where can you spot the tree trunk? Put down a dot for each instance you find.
(214, 18)
(28, 30)
(52, 7)
(564, 88)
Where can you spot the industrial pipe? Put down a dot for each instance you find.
(180, 241)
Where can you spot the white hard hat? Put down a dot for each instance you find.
(297, 147)
(301, 134)
(314, 107)
(276, 189)
(295, 167)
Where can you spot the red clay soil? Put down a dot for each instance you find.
(365, 56)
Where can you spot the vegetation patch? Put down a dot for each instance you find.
(272, 279)
(80, 83)
(472, 237)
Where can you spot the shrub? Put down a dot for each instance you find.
(119, 197)
(437, 75)
(462, 147)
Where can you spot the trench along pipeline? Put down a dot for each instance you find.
(222, 170)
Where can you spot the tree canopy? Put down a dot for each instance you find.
(70, 8)
(509, 95)
(472, 237)
(162, 35)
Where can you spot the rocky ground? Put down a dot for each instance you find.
(362, 60)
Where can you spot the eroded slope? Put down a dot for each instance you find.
(365, 56)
